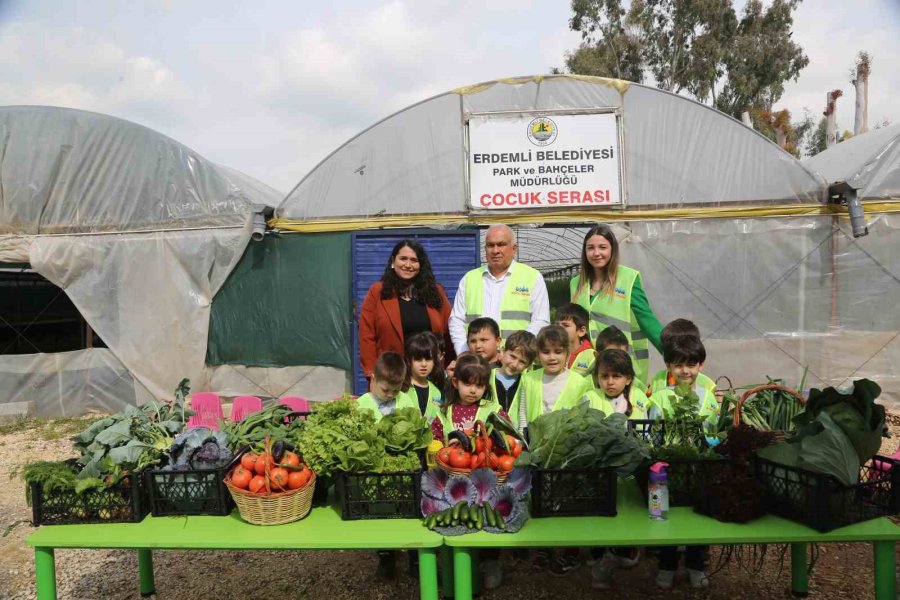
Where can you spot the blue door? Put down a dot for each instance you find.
(452, 254)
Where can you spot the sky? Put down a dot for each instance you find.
(272, 87)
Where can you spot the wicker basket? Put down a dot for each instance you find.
(779, 435)
(501, 475)
(273, 508)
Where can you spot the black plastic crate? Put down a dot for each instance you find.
(194, 492)
(573, 492)
(122, 503)
(686, 477)
(651, 431)
(821, 502)
(394, 495)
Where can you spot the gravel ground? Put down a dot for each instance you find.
(842, 570)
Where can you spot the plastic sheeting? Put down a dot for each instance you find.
(677, 152)
(869, 162)
(68, 383)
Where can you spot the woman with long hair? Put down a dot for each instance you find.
(407, 300)
(613, 295)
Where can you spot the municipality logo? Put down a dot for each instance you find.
(520, 289)
(542, 131)
(620, 292)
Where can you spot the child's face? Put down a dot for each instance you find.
(685, 372)
(513, 362)
(553, 358)
(612, 383)
(385, 390)
(421, 368)
(615, 347)
(485, 344)
(469, 393)
(575, 332)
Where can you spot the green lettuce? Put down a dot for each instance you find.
(405, 430)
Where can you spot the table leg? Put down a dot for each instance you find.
(447, 571)
(462, 573)
(145, 568)
(428, 578)
(799, 573)
(885, 571)
(45, 573)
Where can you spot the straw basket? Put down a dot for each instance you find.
(482, 432)
(779, 434)
(272, 508)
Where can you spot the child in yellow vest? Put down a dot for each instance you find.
(519, 351)
(552, 387)
(468, 399)
(612, 338)
(684, 356)
(574, 319)
(613, 390)
(387, 383)
(483, 337)
(665, 378)
(424, 373)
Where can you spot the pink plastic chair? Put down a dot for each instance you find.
(243, 406)
(296, 403)
(207, 403)
(203, 420)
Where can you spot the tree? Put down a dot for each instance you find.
(696, 47)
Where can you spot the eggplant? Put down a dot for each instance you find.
(278, 451)
(499, 440)
(462, 438)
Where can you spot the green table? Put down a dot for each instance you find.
(322, 529)
(632, 527)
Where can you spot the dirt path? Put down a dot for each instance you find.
(842, 571)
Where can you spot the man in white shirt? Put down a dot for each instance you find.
(524, 305)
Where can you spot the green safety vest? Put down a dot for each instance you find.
(515, 307)
(435, 399)
(615, 309)
(483, 412)
(599, 400)
(660, 381)
(584, 362)
(660, 403)
(531, 391)
(403, 400)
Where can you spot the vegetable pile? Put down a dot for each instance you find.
(340, 436)
(836, 434)
(485, 446)
(582, 438)
(767, 410)
(199, 449)
(270, 422)
(270, 472)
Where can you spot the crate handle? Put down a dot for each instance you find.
(761, 388)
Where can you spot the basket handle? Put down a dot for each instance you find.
(730, 387)
(265, 457)
(761, 388)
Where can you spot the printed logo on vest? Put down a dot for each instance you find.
(522, 290)
(620, 292)
(581, 364)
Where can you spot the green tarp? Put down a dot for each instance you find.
(286, 303)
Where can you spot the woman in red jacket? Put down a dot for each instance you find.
(406, 301)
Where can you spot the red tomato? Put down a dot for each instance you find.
(257, 485)
(290, 459)
(278, 478)
(517, 450)
(241, 478)
(260, 466)
(443, 455)
(506, 463)
(475, 461)
(460, 459)
(248, 460)
(297, 479)
(492, 460)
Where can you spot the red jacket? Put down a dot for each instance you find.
(380, 328)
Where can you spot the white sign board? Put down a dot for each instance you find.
(552, 161)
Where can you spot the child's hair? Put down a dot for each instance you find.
(676, 328)
(483, 323)
(686, 349)
(471, 369)
(610, 336)
(618, 362)
(524, 341)
(575, 313)
(552, 335)
(423, 345)
(390, 368)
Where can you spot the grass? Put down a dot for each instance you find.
(47, 429)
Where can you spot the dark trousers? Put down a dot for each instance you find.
(694, 558)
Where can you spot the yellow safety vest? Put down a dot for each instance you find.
(584, 362)
(599, 400)
(435, 399)
(615, 309)
(660, 381)
(660, 403)
(531, 391)
(483, 412)
(515, 307)
(403, 400)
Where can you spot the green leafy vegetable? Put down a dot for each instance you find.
(267, 423)
(404, 430)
